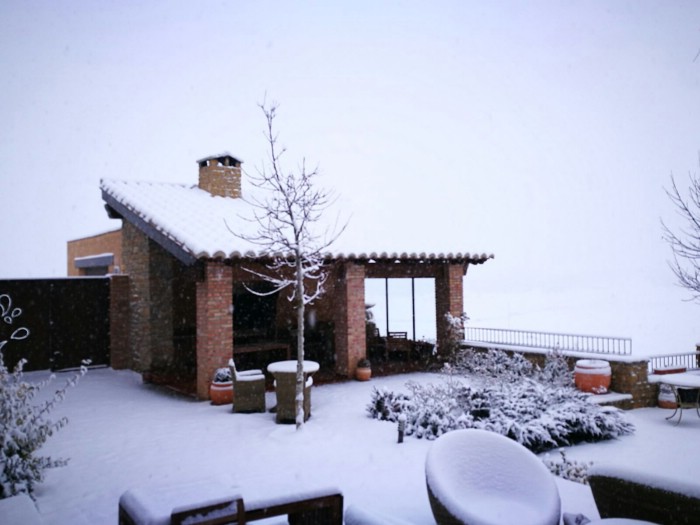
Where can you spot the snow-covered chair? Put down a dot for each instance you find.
(479, 477)
(248, 389)
(625, 492)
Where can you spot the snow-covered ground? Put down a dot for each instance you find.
(124, 434)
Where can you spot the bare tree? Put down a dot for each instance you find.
(290, 231)
(685, 243)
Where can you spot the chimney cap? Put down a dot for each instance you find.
(221, 158)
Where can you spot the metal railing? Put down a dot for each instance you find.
(597, 344)
(687, 360)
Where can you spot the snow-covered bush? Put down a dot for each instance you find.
(538, 414)
(222, 375)
(568, 468)
(556, 371)
(24, 425)
(492, 364)
(452, 341)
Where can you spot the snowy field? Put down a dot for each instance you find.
(125, 434)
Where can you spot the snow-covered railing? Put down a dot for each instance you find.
(595, 344)
(686, 360)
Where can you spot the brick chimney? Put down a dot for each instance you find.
(220, 175)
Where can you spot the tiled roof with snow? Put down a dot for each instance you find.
(201, 225)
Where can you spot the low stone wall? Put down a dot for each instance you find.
(629, 375)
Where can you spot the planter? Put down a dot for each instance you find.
(667, 399)
(363, 374)
(221, 393)
(592, 375)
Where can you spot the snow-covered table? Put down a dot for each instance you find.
(686, 387)
(285, 373)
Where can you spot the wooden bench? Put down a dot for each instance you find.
(398, 342)
(194, 504)
(262, 347)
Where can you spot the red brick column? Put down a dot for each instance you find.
(449, 297)
(350, 331)
(214, 323)
(119, 317)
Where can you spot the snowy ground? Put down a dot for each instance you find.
(123, 434)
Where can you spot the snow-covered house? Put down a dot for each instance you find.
(189, 307)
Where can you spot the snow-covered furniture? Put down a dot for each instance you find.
(356, 515)
(248, 389)
(211, 502)
(19, 510)
(285, 373)
(177, 502)
(479, 477)
(625, 493)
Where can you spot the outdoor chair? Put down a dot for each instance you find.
(248, 389)
(475, 476)
(623, 493)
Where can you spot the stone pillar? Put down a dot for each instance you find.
(135, 251)
(150, 271)
(449, 298)
(350, 331)
(214, 323)
(160, 281)
(119, 329)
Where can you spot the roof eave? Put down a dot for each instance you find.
(170, 245)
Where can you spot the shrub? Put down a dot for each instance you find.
(568, 468)
(24, 426)
(526, 406)
(222, 375)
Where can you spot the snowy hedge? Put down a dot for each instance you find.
(25, 424)
(536, 407)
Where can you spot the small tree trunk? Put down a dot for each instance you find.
(299, 398)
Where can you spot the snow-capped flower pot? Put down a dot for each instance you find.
(363, 372)
(221, 388)
(592, 375)
(667, 398)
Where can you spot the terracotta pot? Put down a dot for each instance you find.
(363, 374)
(667, 399)
(221, 393)
(592, 375)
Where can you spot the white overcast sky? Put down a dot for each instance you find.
(542, 132)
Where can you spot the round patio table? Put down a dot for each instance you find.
(285, 374)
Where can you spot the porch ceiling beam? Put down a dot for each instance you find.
(403, 270)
